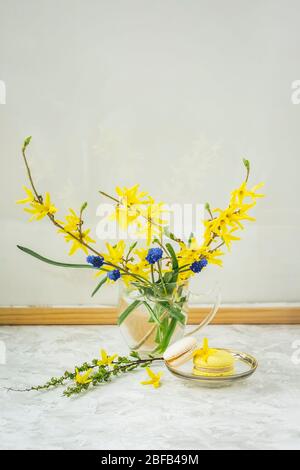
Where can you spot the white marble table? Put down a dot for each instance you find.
(260, 413)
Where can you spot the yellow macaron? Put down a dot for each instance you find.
(210, 362)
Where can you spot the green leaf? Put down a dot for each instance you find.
(132, 247)
(103, 281)
(168, 335)
(135, 355)
(152, 313)
(50, 261)
(128, 310)
(169, 234)
(177, 314)
(173, 256)
(174, 312)
(168, 277)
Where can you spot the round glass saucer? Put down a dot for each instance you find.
(245, 366)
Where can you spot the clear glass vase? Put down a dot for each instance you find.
(151, 321)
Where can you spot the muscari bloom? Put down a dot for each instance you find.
(197, 266)
(96, 261)
(154, 255)
(114, 275)
(154, 378)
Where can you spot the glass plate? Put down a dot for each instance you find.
(245, 366)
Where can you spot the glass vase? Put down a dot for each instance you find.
(151, 321)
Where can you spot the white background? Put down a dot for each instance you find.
(170, 94)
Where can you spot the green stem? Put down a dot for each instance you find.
(152, 274)
(39, 198)
(57, 224)
(56, 381)
(207, 207)
(149, 219)
(168, 335)
(110, 197)
(247, 166)
(161, 277)
(159, 242)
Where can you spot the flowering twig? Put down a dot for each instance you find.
(207, 207)
(61, 227)
(118, 204)
(83, 207)
(25, 145)
(102, 373)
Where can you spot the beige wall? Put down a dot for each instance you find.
(167, 93)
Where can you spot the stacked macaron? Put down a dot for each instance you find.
(210, 362)
(207, 362)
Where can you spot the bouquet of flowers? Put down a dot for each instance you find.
(155, 275)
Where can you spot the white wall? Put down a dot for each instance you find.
(168, 93)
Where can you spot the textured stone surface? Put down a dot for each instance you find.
(262, 412)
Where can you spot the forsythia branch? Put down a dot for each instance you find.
(99, 373)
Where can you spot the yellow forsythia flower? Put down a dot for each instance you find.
(230, 219)
(154, 378)
(106, 360)
(129, 207)
(141, 267)
(39, 210)
(83, 378)
(205, 352)
(77, 244)
(242, 192)
(115, 253)
(151, 222)
(30, 196)
(132, 196)
(72, 222)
